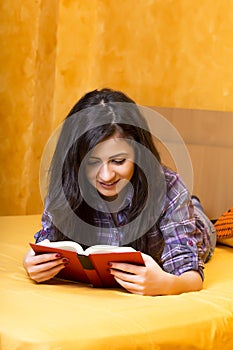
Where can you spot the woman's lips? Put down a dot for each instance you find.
(108, 185)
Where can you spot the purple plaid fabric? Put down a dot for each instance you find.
(182, 239)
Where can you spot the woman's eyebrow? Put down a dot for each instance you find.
(113, 156)
(119, 155)
(93, 157)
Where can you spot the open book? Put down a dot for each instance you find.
(89, 266)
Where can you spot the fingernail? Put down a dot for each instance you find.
(58, 255)
(110, 264)
(65, 260)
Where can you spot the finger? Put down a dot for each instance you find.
(129, 268)
(148, 260)
(46, 275)
(43, 258)
(130, 287)
(151, 263)
(124, 276)
(43, 272)
(48, 265)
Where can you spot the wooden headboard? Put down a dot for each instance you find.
(208, 136)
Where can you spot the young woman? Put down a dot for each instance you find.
(108, 186)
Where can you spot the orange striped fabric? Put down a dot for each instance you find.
(224, 225)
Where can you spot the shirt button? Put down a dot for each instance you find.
(190, 242)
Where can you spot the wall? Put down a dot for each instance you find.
(27, 61)
(208, 138)
(169, 53)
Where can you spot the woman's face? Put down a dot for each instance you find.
(110, 166)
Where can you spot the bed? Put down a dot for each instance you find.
(63, 315)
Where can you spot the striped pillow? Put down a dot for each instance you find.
(224, 228)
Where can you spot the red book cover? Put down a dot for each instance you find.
(100, 262)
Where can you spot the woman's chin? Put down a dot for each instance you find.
(108, 196)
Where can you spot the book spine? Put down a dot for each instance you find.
(90, 270)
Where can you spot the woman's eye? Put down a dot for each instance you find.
(118, 161)
(93, 162)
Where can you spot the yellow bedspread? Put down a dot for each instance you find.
(63, 315)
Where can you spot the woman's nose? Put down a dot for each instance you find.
(106, 172)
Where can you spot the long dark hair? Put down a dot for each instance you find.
(97, 116)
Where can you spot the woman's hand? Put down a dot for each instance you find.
(43, 267)
(145, 280)
(152, 280)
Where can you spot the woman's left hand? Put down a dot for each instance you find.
(145, 280)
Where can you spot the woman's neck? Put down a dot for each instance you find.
(114, 203)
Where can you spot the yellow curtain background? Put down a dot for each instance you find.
(171, 53)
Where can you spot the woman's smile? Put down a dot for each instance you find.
(108, 185)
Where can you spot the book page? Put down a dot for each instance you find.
(99, 249)
(66, 245)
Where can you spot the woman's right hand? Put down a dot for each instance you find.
(41, 268)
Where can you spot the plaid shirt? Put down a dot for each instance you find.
(181, 240)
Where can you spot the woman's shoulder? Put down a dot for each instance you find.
(172, 177)
(169, 172)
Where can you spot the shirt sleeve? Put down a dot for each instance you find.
(182, 237)
(48, 230)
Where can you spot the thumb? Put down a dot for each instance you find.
(149, 261)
